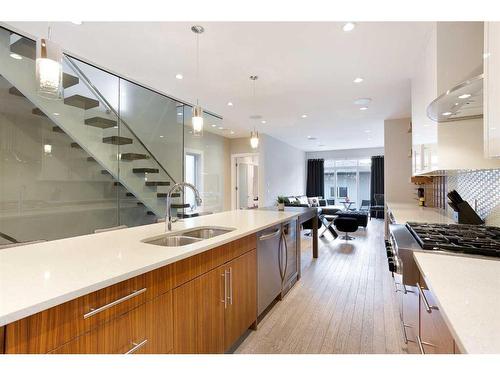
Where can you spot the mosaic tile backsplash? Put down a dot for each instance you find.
(483, 187)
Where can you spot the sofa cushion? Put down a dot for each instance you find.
(303, 200)
(291, 200)
(313, 201)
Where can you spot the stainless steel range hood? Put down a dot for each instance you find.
(464, 101)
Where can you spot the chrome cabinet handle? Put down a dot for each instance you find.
(93, 312)
(230, 272)
(136, 347)
(224, 301)
(270, 235)
(427, 307)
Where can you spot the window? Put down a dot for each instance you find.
(348, 178)
(192, 174)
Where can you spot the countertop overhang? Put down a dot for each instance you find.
(37, 277)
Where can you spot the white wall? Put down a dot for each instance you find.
(282, 168)
(397, 164)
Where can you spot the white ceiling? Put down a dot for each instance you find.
(303, 68)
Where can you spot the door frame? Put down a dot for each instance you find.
(234, 180)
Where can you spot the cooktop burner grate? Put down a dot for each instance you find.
(464, 238)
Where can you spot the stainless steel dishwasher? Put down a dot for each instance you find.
(269, 277)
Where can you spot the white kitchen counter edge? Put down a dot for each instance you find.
(7, 317)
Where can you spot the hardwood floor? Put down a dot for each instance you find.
(344, 302)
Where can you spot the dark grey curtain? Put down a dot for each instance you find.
(315, 178)
(377, 177)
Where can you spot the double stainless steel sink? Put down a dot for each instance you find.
(187, 237)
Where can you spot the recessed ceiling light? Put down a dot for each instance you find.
(161, 136)
(76, 22)
(263, 122)
(304, 116)
(446, 113)
(363, 101)
(220, 128)
(179, 76)
(363, 108)
(214, 125)
(16, 56)
(358, 80)
(486, 55)
(115, 127)
(232, 132)
(348, 26)
(179, 113)
(311, 138)
(464, 96)
(56, 114)
(230, 104)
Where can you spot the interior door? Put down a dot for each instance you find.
(241, 311)
(243, 193)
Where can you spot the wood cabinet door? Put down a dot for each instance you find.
(434, 334)
(159, 330)
(241, 310)
(199, 314)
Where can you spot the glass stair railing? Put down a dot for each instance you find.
(91, 114)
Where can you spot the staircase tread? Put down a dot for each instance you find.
(116, 183)
(151, 213)
(130, 195)
(75, 145)
(81, 101)
(58, 129)
(116, 140)
(69, 80)
(133, 156)
(164, 195)
(38, 112)
(90, 158)
(157, 183)
(145, 170)
(179, 205)
(105, 171)
(14, 91)
(100, 122)
(24, 47)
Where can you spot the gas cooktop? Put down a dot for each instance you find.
(463, 238)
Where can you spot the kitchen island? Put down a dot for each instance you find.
(78, 289)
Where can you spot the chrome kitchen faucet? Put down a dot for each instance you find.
(178, 186)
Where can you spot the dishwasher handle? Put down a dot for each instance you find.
(269, 236)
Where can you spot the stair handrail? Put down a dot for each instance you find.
(110, 108)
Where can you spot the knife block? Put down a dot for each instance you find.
(466, 215)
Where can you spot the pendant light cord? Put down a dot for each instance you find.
(49, 31)
(198, 66)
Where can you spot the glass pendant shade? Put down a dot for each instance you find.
(254, 139)
(49, 73)
(197, 121)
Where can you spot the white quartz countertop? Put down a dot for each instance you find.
(467, 294)
(404, 212)
(36, 277)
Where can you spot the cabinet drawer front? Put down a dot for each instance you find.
(124, 335)
(49, 329)
(107, 303)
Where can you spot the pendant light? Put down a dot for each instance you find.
(49, 70)
(197, 118)
(254, 135)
